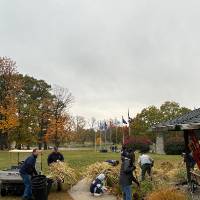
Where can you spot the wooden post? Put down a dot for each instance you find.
(187, 152)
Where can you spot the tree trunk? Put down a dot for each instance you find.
(40, 146)
(45, 146)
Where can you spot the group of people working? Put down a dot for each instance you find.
(97, 188)
(126, 177)
(27, 170)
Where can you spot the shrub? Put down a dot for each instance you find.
(146, 187)
(181, 175)
(141, 143)
(174, 146)
(97, 168)
(63, 172)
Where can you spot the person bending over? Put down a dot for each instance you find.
(27, 170)
(146, 163)
(97, 186)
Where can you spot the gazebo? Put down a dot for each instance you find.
(189, 124)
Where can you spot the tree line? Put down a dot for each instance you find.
(31, 110)
(34, 112)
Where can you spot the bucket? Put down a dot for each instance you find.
(39, 187)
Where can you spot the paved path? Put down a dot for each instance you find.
(81, 192)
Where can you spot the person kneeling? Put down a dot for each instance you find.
(97, 186)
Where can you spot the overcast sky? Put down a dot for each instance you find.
(111, 54)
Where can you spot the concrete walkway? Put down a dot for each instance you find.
(81, 192)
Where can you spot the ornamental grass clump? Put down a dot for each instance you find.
(61, 171)
(97, 168)
(167, 194)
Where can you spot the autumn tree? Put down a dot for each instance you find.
(10, 86)
(59, 129)
(79, 125)
(32, 101)
(59, 122)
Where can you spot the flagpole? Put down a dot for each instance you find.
(100, 139)
(110, 130)
(116, 134)
(105, 138)
(123, 121)
(129, 128)
(95, 142)
(123, 133)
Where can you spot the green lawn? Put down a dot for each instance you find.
(78, 160)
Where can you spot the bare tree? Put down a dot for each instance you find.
(63, 99)
(92, 123)
(60, 116)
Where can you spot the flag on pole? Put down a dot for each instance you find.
(124, 121)
(105, 126)
(129, 118)
(101, 126)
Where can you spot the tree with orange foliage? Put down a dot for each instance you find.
(10, 85)
(59, 129)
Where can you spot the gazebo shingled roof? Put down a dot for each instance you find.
(189, 121)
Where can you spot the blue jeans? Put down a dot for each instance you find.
(127, 193)
(27, 183)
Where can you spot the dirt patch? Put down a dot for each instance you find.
(53, 196)
(59, 196)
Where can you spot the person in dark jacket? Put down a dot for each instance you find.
(191, 160)
(26, 171)
(97, 186)
(126, 175)
(55, 156)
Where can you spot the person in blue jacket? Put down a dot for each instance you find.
(27, 170)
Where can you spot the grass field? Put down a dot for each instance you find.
(78, 160)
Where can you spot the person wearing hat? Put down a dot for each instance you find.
(55, 156)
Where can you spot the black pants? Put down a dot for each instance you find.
(146, 168)
(59, 186)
